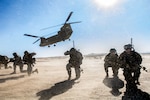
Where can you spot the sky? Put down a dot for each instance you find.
(105, 24)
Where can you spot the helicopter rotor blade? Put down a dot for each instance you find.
(75, 22)
(51, 27)
(31, 35)
(68, 17)
(59, 24)
(36, 41)
(50, 34)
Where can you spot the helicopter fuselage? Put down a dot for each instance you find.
(64, 33)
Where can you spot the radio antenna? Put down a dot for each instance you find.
(131, 41)
(73, 44)
(132, 44)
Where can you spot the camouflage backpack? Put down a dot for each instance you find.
(80, 57)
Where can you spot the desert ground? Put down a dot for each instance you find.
(51, 82)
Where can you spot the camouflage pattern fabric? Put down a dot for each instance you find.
(29, 60)
(4, 60)
(130, 62)
(75, 61)
(111, 61)
(17, 61)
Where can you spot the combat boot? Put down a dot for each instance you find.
(115, 75)
(36, 70)
(77, 76)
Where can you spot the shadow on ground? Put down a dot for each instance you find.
(137, 95)
(115, 84)
(133, 93)
(5, 74)
(57, 89)
(11, 78)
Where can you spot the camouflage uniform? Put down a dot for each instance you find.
(17, 61)
(75, 61)
(111, 61)
(29, 60)
(130, 62)
(28, 57)
(4, 60)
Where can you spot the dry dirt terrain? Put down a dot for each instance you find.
(51, 81)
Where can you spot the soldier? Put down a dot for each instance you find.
(4, 60)
(75, 61)
(30, 61)
(130, 62)
(28, 58)
(111, 61)
(17, 61)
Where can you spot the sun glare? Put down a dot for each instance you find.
(106, 3)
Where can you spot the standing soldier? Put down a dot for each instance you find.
(130, 62)
(29, 60)
(17, 61)
(111, 61)
(75, 61)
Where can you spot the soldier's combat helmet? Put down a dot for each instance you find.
(128, 46)
(112, 50)
(26, 52)
(72, 49)
(14, 54)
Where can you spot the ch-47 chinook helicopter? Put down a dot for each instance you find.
(63, 34)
